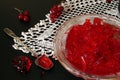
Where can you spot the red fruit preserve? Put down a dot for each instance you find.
(94, 47)
(44, 62)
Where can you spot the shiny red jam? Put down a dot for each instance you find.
(94, 48)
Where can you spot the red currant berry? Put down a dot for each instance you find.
(20, 16)
(60, 8)
(26, 13)
(52, 17)
(26, 19)
(54, 9)
(58, 14)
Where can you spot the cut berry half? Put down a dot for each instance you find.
(22, 63)
(44, 62)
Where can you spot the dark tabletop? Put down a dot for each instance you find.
(9, 18)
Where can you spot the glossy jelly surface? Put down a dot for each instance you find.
(94, 47)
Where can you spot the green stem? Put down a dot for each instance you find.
(20, 11)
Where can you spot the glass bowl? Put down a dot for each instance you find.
(60, 45)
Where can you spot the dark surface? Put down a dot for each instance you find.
(119, 6)
(8, 18)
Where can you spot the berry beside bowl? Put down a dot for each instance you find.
(88, 46)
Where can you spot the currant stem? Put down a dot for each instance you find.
(20, 11)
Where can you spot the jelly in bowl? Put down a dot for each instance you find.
(88, 46)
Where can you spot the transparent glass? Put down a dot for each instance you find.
(60, 41)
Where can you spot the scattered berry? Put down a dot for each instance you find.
(22, 63)
(55, 12)
(44, 62)
(23, 15)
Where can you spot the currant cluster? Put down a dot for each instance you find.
(55, 12)
(23, 15)
(22, 63)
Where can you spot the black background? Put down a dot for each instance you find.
(9, 18)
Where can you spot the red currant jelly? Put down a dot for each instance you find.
(44, 62)
(94, 48)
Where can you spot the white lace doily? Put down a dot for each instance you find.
(40, 37)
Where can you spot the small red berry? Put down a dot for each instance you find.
(57, 15)
(54, 8)
(52, 17)
(26, 13)
(60, 8)
(44, 62)
(20, 16)
(26, 19)
(53, 11)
